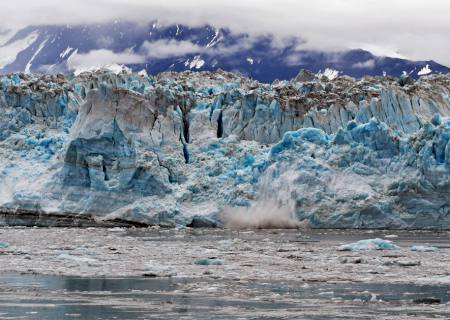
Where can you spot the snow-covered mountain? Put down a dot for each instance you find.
(156, 48)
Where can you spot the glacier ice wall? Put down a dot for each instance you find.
(180, 148)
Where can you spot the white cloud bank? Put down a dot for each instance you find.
(369, 64)
(103, 57)
(416, 29)
(170, 48)
(159, 49)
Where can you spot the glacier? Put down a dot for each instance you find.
(182, 149)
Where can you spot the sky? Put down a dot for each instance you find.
(412, 29)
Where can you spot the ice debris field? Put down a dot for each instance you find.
(215, 149)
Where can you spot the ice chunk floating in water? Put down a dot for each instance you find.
(424, 248)
(369, 244)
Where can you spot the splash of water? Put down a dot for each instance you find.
(274, 209)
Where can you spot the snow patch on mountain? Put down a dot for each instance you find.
(425, 70)
(9, 52)
(197, 63)
(215, 39)
(66, 52)
(113, 68)
(39, 49)
(329, 73)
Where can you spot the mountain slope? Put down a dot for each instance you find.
(157, 48)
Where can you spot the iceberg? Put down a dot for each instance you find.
(209, 262)
(369, 244)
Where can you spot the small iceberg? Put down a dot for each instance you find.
(424, 248)
(4, 245)
(369, 244)
(209, 262)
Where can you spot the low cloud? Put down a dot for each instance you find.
(294, 59)
(241, 45)
(369, 64)
(170, 48)
(159, 49)
(105, 42)
(103, 57)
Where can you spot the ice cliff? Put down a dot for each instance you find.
(182, 148)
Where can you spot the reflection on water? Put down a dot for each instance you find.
(112, 285)
(52, 297)
(57, 298)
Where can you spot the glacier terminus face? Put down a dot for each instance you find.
(217, 149)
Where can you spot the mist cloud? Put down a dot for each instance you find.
(159, 49)
(414, 29)
(103, 57)
(170, 48)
